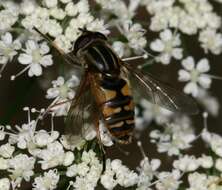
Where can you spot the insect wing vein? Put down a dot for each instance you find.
(160, 93)
(77, 113)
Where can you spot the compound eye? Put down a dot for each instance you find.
(81, 42)
(100, 35)
(86, 38)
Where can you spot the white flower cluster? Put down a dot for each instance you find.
(45, 148)
(48, 181)
(42, 148)
(168, 46)
(195, 75)
(49, 151)
(152, 112)
(209, 102)
(87, 172)
(116, 173)
(189, 17)
(50, 17)
(35, 56)
(8, 48)
(147, 172)
(214, 141)
(133, 32)
(62, 92)
(174, 138)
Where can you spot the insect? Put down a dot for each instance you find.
(106, 89)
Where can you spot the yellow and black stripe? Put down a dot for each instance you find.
(118, 109)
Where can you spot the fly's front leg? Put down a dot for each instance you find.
(54, 104)
(144, 56)
(96, 122)
(140, 64)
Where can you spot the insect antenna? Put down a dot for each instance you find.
(49, 41)
(104, 163)
(70, 59)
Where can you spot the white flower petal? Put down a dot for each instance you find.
(50, 3)
(74, 81)
(166, 35)
(157, 45)
(176, 40)
(218, 164)
(165, 58)
(4, 183)
(204, 81)
(183, 75)
(31, 45)
(69, 158)
(188, 63)
(206, 161)
(119, 48)
(191, 88)
(36, 69)
(203, 65)
(177, 53)
(17, 45)
(7, 38)
(70, 95)
(46, 60)
(52, 93)
(25, 59)
(58, 82)
(155, 164)
(71, 9)
(3, 59)
(44, 48)
(30, 73)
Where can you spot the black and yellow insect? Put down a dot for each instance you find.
(106, 89)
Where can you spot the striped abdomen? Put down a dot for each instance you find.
(111, 91)
(117, 108)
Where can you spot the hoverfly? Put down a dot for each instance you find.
(105, 89)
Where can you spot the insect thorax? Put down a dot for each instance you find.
(94, 50)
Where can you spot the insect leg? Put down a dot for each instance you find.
(60, 103)
(52, 105)
(52, 43)
(144, 56)
(96, 122)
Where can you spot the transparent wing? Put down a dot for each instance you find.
(81, 110)
(160, 93)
